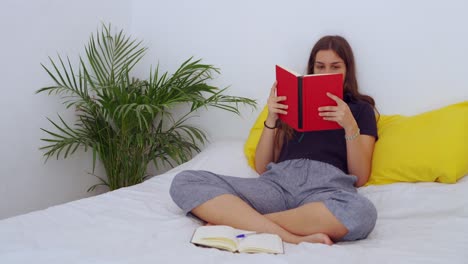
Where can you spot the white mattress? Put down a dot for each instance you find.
(417, 223)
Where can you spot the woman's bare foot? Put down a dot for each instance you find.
(314, 238)
(317, 238)
(208, 224)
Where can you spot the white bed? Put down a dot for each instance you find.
(417, 223)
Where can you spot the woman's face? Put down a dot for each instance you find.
(327, 61)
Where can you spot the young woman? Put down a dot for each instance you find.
(306, 191)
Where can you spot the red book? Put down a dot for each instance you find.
(304, 95)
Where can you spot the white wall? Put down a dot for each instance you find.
(411, 57)
(31, 31)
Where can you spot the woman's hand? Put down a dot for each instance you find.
(340, 114)
(274, 106)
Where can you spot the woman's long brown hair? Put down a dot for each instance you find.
(342, 48)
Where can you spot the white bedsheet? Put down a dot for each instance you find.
(417, 223)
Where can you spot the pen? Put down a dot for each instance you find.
(245, 235)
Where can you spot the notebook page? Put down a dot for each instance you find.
(261, 243)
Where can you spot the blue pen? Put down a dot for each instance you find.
(245, 235)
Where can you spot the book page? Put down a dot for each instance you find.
(268, 243)
(223, 237)
(289, 70)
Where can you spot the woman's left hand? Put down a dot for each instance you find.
(339, 113)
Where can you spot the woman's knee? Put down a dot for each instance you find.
(189, 181)
(180, 183)
(363, 222)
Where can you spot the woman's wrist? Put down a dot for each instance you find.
(351, 128)
(352, 133)
(269, 124)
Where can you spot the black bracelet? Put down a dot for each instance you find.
(264, 123)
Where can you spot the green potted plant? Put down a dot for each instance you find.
(128, 122)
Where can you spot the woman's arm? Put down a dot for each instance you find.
(359, 148)
(359, 152)
(267, 151)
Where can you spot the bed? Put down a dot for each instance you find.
(417, 223)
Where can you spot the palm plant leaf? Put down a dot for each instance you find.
(111, 56)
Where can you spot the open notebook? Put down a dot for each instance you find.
(237, 240)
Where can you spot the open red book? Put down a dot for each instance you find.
(304, 95)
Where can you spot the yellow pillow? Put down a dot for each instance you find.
(250, 145)
(432, 146)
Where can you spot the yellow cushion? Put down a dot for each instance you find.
(254, 136)
(432, 146)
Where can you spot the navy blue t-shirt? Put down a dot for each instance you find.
(330, 145)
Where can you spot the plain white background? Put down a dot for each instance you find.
(31, 31)
(411, 57)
